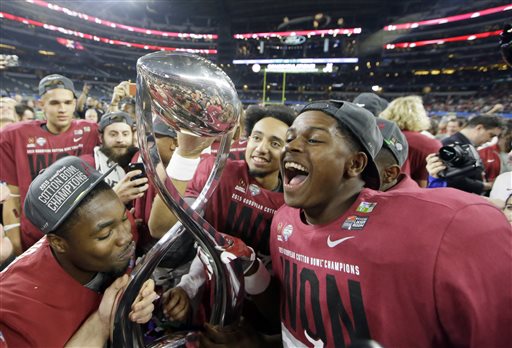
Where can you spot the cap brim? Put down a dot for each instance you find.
(81, 197)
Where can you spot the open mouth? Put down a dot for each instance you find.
(294, 174)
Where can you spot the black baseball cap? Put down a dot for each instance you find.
(394, 140)
(114, 117)
(55, 81)
(161, 128)
(371, 102)
(362, 125)
(58, 190)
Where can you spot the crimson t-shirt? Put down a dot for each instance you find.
(41, 304)
(407, 268)
(420, 146)
(26, 148)
(239, 206)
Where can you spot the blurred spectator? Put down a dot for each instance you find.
(92, 115)
(411, 117)
(478, 131)
(7, 111)
(496, 156)
(371, 102)
(24, 112)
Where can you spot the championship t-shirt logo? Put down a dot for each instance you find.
(287, 232)
(354, 223)
(41, 141)
(31, 142)
(78, 132)
(366, 207)
(241, 186)
(254, 189)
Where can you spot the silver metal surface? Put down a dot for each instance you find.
(194, 96)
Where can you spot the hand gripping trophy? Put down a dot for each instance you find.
(168, 86)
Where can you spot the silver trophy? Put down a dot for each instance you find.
(194, 96)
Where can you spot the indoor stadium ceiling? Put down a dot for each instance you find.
(241, 16)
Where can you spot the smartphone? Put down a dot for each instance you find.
(139, 166)
(132, 89)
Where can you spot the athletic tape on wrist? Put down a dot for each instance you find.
(258, 282)
(181, 168)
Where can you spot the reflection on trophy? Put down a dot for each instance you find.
(194, 96)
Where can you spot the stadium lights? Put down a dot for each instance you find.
(442, 40)
(297, 61)
(65, 31)
(308, 33)
(113, 25)
(436, 21)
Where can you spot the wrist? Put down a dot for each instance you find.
(257, 282)
(103, 325)
(182, 168)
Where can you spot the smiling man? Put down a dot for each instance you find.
(249, 193)
(406, 268)
(52, 294)
(28, 147)
(116, 151)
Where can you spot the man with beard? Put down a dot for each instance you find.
(28, 147)
(249, 193)
(63, 290)
(116, 151)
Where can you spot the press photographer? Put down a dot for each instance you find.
(466, 173)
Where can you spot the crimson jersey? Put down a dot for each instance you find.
(239, 206)
(407, 268)
(41, 304)
(26, 148)
(419, 147)
(491, 160)
(236, 151)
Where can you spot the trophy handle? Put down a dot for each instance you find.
(228, 278)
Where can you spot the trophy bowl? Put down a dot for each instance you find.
(190, 93)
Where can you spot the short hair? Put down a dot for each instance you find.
(72, 219)
(408, 113)
(487, 121)
(385, 158)
(21, 108)
(255, 113)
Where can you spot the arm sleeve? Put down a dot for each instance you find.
(473, 278)
(7, 159)
(195, 186)
(466, 184)
(436, 182)
(192, 281)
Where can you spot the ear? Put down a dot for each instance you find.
(58, 244)
(390, 174)
(479, 127)
(356, 164)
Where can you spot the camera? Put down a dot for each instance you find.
(135, 166)
(459, 159)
